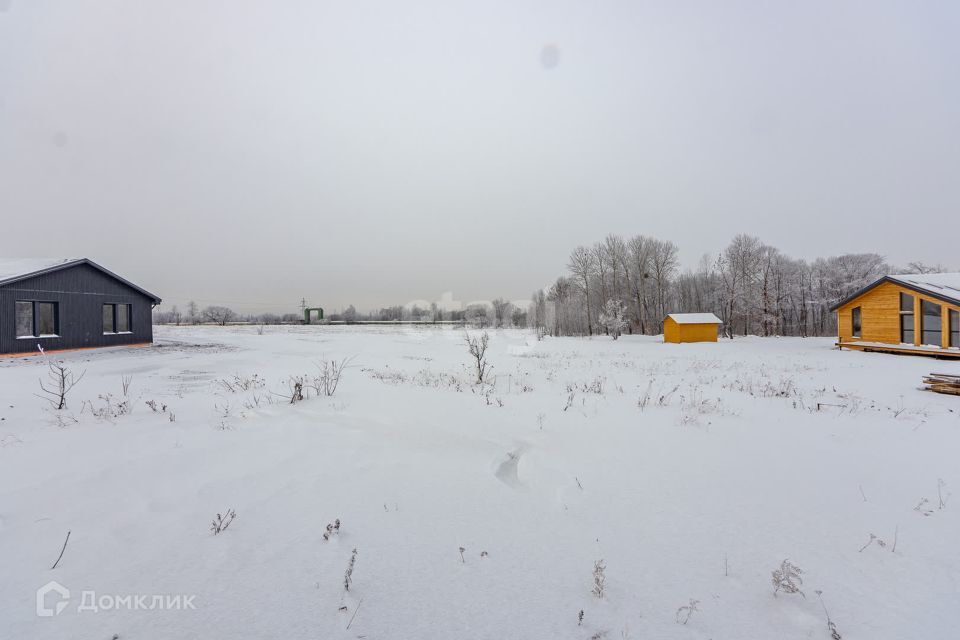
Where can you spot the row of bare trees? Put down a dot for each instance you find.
(194, 315)
(752, 286)
(496, 313)
(637, 272)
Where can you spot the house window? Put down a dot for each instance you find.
(906, 318)
(46, 319)
(37, 319)
(116, 318)
(954, 328)
(109, 325)
(932, 323)
(123, 318)
(24, 319)
(855, 316)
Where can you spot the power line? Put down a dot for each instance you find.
(245, 302)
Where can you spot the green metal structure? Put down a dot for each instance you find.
(308, 311)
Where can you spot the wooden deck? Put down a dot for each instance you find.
(902, 349)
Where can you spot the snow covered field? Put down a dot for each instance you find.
(691, 471)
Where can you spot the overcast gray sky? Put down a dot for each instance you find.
(380, 152)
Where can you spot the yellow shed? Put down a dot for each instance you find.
(904, 313)
(691, 327)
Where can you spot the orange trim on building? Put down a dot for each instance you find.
(28, 354)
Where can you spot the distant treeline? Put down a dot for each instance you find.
(499, 313)
(751, 286)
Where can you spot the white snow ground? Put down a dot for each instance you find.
(729, 469)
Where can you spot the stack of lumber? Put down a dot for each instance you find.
(943, 383)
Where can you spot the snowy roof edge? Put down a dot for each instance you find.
(914, 282)
(71, 262)
(695, 318)
(11, 269)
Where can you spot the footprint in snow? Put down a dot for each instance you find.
(507, 470)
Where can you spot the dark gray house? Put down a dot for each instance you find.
(70, 304)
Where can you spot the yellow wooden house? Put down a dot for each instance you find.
(691, 327)
(908, 313)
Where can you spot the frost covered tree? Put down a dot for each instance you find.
(583, 266)
(218, 315)
(663, 263)
(638, 272)
(537, 313)
(502, 312)
(568, 307)
(740, 265)
(751, 286)
(613, 317)
(193, 312)
(615, 252)
(477, 315)
(922, 267)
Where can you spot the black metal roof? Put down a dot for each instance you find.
(73, 263)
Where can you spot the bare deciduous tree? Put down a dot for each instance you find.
(193, 312)
(502, 312)
(477, 315)
(325, 383)
(218, 315)
(61, 380)
(583, 266)
(477, 345)
(663, 263)
(638, 250)
(537, 314)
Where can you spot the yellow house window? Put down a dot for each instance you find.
(954, 328)
(906, 318)
(856, 319)
(932, 323)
